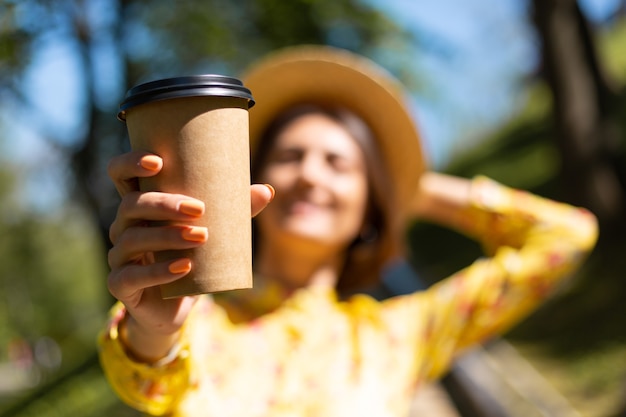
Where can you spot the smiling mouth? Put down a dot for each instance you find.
(304, 207)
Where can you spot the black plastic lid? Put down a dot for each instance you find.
(186, 86)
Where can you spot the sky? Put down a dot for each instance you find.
(474, 89)
(473, 55)
(452, 78)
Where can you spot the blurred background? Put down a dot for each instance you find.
(529, 92)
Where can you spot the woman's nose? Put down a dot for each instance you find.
(311, 169)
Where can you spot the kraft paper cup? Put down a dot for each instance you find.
(199, 126)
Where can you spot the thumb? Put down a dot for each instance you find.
(260, 195)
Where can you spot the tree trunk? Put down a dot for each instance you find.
(584, 98)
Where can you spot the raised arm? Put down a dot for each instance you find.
(531, 245)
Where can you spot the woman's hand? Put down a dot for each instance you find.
(153, 323)
(440, 198)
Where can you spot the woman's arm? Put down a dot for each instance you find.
(441, 198)
(140, 349)
(532, 244)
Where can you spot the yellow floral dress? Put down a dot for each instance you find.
(314, 355)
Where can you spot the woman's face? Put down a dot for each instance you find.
(319, 173)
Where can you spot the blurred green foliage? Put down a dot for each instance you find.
(53, 296)
(577, 339)
(52, 292)
(52, 269)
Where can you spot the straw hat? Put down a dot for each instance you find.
(310, 74)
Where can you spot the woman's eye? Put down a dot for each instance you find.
(339, 163)
(287, 155)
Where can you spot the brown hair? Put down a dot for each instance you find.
(379, 239)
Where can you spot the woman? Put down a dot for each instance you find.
(332, 136)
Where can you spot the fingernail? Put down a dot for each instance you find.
(151, 162)
(272, 190)
(195, 234)
(191, 208)
(180, 266)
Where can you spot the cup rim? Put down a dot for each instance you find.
(184, 86)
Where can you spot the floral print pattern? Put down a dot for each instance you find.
(314, 355)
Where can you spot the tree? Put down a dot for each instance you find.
(118, 43)
(145, 41)
(136, 41)
(587, 108)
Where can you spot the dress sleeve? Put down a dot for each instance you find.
(531, 244)
(150, 388)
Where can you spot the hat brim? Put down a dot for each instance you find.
(322, 74)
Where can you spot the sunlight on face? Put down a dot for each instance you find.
(320, 177)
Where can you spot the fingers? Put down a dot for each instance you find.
(133, 240)
(261, 195)
(138, 209)
(127, 284)
(126, 168)
(137, 241)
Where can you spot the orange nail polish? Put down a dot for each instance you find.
(195, 234)
(151, 162)
(191, 208)
(180, 266)
(272, 190)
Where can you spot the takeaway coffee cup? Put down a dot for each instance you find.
(199, 126)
